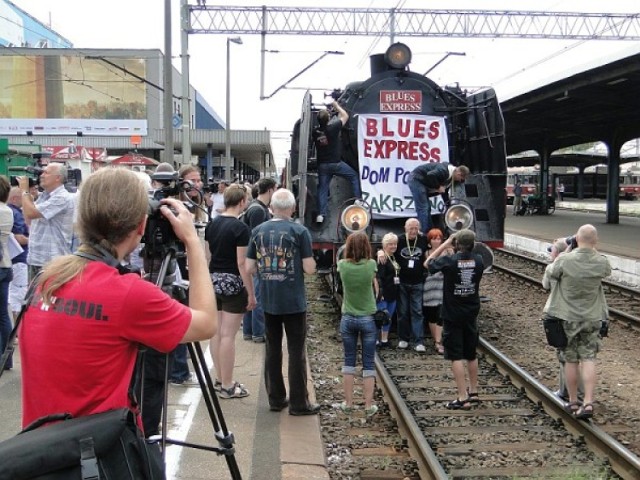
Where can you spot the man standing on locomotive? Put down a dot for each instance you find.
(328, 153)
(429, 179)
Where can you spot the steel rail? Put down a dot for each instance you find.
(429, 466)
(633, 320)
(622, 461)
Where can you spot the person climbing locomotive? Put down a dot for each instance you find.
(428, 179)
(328, 152)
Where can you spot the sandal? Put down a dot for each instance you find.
(458, 404)
(237, 390)
(217, 386)
(439, 348)
(572, 407)
(585, 412)
(472, 397)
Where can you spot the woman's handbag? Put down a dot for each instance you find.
(554, 330)
(227, 284)
(100, 446)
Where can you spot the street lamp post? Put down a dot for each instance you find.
(227, 174)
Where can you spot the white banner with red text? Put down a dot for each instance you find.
(389, 148)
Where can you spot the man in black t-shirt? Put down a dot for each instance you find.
(328, 152)
(256, 214)
(460, 306)
(412, 247)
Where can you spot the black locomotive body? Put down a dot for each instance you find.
(397, 120)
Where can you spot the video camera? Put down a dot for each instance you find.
(33, 171)
(159, 237)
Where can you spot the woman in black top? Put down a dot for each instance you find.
(228, 238)
(388, 280)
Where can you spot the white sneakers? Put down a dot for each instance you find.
(403, 345)
(320, 219)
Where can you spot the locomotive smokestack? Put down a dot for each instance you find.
(377, 64)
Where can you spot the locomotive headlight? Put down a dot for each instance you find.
(355, 218)
(398, 56)
(458, 217)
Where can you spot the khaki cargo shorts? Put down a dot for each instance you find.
(584, 341)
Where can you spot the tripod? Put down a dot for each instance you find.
(226, 439)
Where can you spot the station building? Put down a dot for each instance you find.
(57, 96)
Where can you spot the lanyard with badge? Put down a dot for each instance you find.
(411, 262)
(396, 267)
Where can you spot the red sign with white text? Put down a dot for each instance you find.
(400, 101)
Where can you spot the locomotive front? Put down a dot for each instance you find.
(397, 120)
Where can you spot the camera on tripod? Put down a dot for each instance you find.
(159, 237)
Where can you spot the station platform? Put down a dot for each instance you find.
(620, 242)
(268, 445)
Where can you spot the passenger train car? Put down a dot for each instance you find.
(399, 119)
(594, 184)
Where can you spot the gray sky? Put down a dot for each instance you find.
(510, 66)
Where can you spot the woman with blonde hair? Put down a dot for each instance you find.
(389, 281)
(106, 315)
(360, 286)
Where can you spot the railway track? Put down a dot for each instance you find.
(623, 302)
(520, 428)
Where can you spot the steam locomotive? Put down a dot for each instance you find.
(397, 120)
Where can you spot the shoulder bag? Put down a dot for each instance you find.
(554, 330)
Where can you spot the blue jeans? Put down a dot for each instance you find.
(410, 327)
(253, 321)
(351, 327)
(326, 171)
(421, 203)
(389, 307)
(180, 370)
(6, 275)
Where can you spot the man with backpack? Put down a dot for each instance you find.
(328, 152)
(256, 214)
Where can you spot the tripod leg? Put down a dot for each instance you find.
(224, 437)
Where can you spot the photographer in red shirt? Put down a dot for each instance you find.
(80, 335)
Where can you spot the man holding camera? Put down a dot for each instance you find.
(51, 217)
(578, 300)
(460, 307)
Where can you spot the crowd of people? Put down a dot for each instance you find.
(245, 259)
(245, 262)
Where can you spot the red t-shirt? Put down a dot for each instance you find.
(78, 354)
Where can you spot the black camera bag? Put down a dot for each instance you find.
(100, 446)
(381, 317)
(554, 330)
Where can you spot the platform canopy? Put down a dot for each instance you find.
(596, 104)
